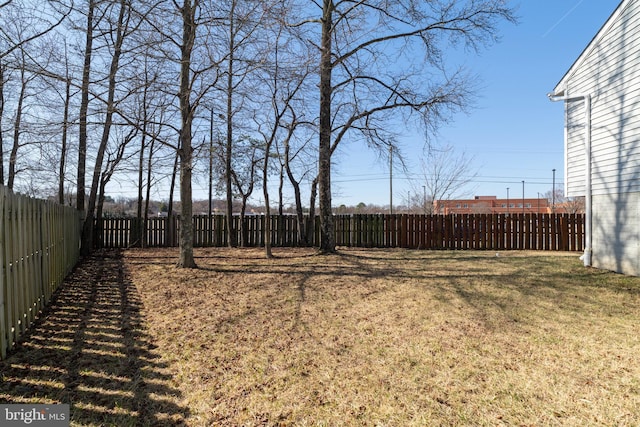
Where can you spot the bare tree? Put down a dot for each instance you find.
(283, 79)
(84, 107)
(561, 204)
(150, 111)
(149, 183)
(188, 12)
(3, 82)
(65, 129)
(574, 205)
(47, 90)
(38, 18)
(113, 160)
(25, 79)
(244, 173)
(270, 136)
(444, 173)
(229, 92)
(289, 157)
(144, 107)
(22, 23)
(184, 32)
(243, 18)
(360, 44)
(30, 124)
(122, 30)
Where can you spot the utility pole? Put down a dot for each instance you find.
(523, 196)
(391, 179)
(553, 193)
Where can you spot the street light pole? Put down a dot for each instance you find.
(507, 200)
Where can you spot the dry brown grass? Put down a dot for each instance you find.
(365, 337)
(90, 349)
(394, 337)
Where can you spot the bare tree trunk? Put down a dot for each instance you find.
(65, 129)
(99, 220)
(143, 140)
(185, 152)
(311, 227)
(2, 82)
(280, 206)
(302, 233)
(145, 219)
(267, 209)
(327, 238)
(13, 156)
(170, 230)
(229, 143)
(210, 211)
(87, 232)
(84, 107)
(281, 191)
(245, 194)
(105, 177)
(243, 215)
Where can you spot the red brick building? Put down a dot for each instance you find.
(491, 204)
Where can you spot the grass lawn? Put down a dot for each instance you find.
(364, 337)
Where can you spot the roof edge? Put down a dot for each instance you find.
(561, 85)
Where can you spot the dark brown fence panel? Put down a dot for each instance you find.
(392, 231)
(539, 240)
(576, 237)
(155, 232)
(467, 231)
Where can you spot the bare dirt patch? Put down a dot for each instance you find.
(364, 337)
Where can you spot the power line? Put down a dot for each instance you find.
(476, 179)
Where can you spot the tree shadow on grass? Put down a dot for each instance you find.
(90, 349)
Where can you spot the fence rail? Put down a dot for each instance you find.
(553, 232)
(39, 245)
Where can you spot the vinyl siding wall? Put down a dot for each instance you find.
(610, 73)
(616, 232)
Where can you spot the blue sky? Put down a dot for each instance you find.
(514, 132)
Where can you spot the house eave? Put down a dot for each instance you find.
(561, 86)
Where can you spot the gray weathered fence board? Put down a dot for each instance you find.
(39, 245)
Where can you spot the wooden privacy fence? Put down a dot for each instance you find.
(39, 245)
(554, 232)
(551, 232)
